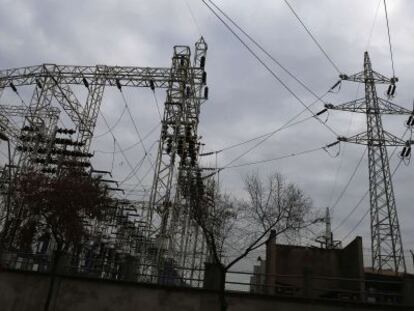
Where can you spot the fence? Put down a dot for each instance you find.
(122, 269)
(371, 289)
(375, 289)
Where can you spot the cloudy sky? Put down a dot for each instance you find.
(245, 99)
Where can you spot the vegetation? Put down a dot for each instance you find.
(58, 206)
(271, 205)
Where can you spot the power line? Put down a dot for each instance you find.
(260, 136)
(122, 152)
(146, 154)
(135, 126)
(366, 193)
(366, 213)
(290, 155)
(284, 126)
(143, 177)
(352, 211)
(138, 166)
(157, 105)
(357, 225)
(113, 126)
(313, 37)
(349, 181)
(134, 171)
(143, 138)
(268, 68)
(264, 135)
(190, 10)
(373, 24)
(256, 43)
(134, 144)
(389, 38)
(342, 154)
(113, 156)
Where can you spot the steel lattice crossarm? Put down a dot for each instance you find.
(92, 75)
(7, 111)
(19, 111)
(55, 80)
(388, 140)
(360, 105)
(374, 78)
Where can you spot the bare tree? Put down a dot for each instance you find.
(275, 204)
(271, 205)
(216, 214)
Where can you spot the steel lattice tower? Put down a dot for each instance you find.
(177, 157)
(167, 228)
(386, 242)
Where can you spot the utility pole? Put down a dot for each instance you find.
(326, 240)
(386, 242)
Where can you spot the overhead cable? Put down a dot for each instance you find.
(260, 136)
(290, 155)
(134, 144)
(373, 25)
(389, 38)
(366, 193)
(366, 213)
(157, 105)
(190, 10)
(349, 180)
(269, 135)
(260, 47)
(146, 155)
(138, 166)
(313, 37)
(119, 147)
(113, 126)
(276, 77)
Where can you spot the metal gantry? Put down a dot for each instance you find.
(386, 242)
(166, 234)
(177, 158)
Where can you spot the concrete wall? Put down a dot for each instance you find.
(309, 262)
(23, 291)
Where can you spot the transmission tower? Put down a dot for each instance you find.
(386, 242)
(178, 157)
(326, 239)
(167, 212)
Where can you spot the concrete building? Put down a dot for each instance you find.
(327, 273)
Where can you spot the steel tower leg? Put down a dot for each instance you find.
(386, 243)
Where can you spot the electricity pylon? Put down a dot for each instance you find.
(177, 156)
(386, 242)
(177, 159)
